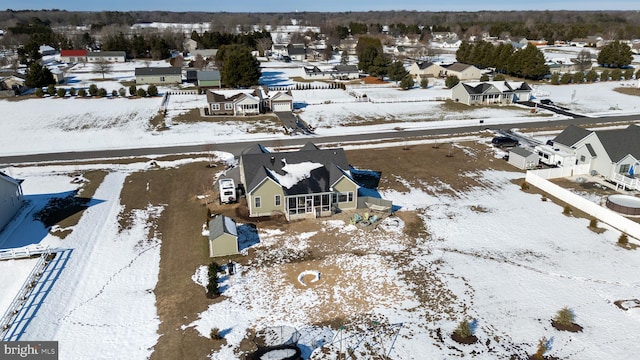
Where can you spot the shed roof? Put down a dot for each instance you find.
(156, 71)
(521, 151)
(221, 225)
(208, 75)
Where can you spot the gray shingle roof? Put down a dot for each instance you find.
(156, 71)
(457, 67)
(521, 151)
(257, 166)
(105, 53)
(211, 75)
(222, 225)
(621, 142)
(571, 135)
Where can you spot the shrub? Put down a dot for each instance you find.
(616, 74)
(484, 77)
(102, 92)
(82, 92)
(628, 74)
(141, 93)
(604, 76)
(61, 92)
(638, 74)
(114, 93)
(555, 79)
(451, 81)
(524, 186)
(212, 286)
(565, 78)
(72, 91)
(122, 92)
(578, 77)
(215, 334)
(51, 90)
(544, 345)
(593, 223)
(132, 90)
(592, 76)
(623, 240)
(565, 316)
(424, 83)
(567, 210)
(39, 93)
(152, 90)
(499, 77)
(464, 329)
(93, 89)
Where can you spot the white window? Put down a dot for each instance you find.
(257, 201)
(162, 78)
(278, 200)
(228, 106)
(345, 196)
(215, 107)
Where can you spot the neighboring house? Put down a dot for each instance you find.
(11, 198)
(279, 50)
(338, 72)
(424, 70)
(462, 71)
(589, 41)
(106, 56)
(223, 236)
(47, 50)
(614, 154)
(239, 104)
(491, 92)
(281, 102)
(349, 45)
(205, 53)
(571, 66)
(523, 159)
(11, 86)
(208, 79)
(297, 53)
(73, 56)
(306, 183)
(189, 45)
(451, 43)
(158, 75)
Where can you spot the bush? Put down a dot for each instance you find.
(212, 286)
(152, 90)
(593, 223)
(102, 92)
(122, 92)
(141, 93)
(464, 329)
(114, 93)
(451, 81)
(93, 89)
(544, 345)
(499, 77)
(578, 77)
(215, 334)
(565, 78)
(592, 76)
(555, 79)
(61, 92)
(616, 74)
(484, 77)
(132, 90)
(39, 93)
(565, 317)
(638, 74)
(51, 90)
(72, 91)
(82, 92)
(604, 76)
(424, 83)
(524, 186)
(628, 74)
(567, 210)
(623, 240)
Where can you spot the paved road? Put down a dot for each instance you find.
(237, 147)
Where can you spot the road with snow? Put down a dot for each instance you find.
(236, 147)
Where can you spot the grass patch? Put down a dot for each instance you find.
(627, 91)
(260, 123)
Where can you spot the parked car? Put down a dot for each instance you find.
(504, 141)
(546, 102)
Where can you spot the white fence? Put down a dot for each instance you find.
(560, 172)
(599, 212)
(21, 253)
(23, 294)
(622, 180)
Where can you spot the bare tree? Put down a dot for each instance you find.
(583, 60)
(264, 45)
(103, 67)
(199, 63)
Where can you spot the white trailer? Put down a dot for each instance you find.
(227, 191)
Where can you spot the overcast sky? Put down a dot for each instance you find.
(325, 5)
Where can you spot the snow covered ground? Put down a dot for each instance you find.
(511, 281)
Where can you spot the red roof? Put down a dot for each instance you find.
(73, 53)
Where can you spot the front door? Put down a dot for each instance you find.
(309, 204)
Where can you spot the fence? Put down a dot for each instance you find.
(559, 172)
(601, 213)
(23, 294)
(21, 253)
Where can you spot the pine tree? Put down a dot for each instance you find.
(407, 82)
(397, 71)
(463, 54)
(239, 68)
(615, 55)
(451, 81)
(555, 79)
(38, 76)
(591, 76)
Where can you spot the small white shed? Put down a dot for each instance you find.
(522, 158)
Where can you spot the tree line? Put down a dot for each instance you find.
(528, 63)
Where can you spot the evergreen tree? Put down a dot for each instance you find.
(141, 92)
(38, 76)
(591, 76)
(451, 81)
(39, 93)
(604, 76)
(407, 82)
(239, 67)
(528, 63)
(484, 77)
(463, 54)
(93, 90)
(397, 71)
(616, 74)
(82, 92)
(132, 90)
(578, 77)
(628, 74)
(502, 55)
(615, 55)
(555, 79)
(565, 78)
(638, 74)
(51, 90)
(424, 83)
(344, 57)
(72, 91)
(368, 50)
(499, 77)
(152, 90)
